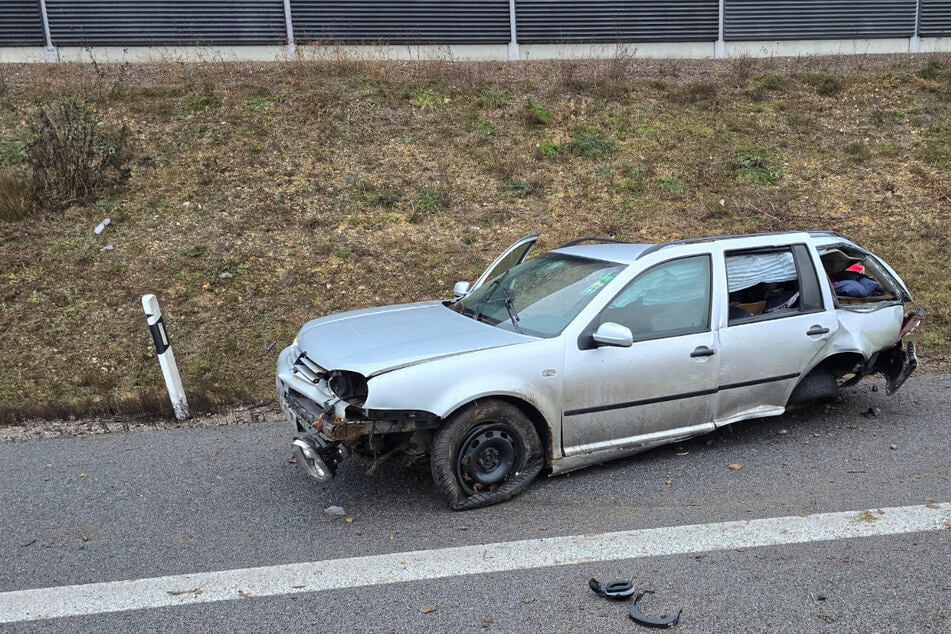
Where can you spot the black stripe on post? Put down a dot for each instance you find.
(159, 337)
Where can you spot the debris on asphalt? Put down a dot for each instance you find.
(870, 413)
(893, 447)
(426, 609)
(617, 590)
(335, 510)
(734, 466)
(663, 621)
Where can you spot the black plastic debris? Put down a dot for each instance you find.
(870, 413)
(616, 590)
(652, 621)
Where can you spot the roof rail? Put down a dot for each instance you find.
(664, 245)
(592, 239)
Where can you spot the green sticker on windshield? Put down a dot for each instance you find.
(599, 284)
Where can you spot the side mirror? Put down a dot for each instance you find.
(461, 289)
(612, 334)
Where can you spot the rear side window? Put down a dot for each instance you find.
(768, 283)
(667, 300)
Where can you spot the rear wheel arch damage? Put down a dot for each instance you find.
(815, 387)
(821, 383)
(486, 453)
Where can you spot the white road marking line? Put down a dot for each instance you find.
(317, 576)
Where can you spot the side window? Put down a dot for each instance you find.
(667, 300)
(764, 283)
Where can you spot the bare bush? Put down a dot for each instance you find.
(74, 159)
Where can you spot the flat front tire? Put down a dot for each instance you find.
(485, 454)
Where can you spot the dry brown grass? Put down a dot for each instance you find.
(264, 195)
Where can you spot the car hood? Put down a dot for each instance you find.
(378, 340)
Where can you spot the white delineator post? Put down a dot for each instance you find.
(173, 381)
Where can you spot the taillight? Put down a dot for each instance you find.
(912, 320)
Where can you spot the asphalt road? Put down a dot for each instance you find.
(125, 506)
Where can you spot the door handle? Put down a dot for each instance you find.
(702, 351)
(817, 330)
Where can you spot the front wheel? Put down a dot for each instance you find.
(485, 454)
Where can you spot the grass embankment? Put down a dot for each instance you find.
(264, 195)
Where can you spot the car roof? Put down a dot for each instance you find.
(628, 252)
(622, 253)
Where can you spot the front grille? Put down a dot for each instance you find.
(309, 370)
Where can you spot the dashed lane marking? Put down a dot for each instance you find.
(318, 576)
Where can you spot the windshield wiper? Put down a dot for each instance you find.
(494, 286)
(510, 307)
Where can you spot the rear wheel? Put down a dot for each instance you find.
(484, 455)
(815, 388)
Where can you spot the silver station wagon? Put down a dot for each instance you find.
(595, 350)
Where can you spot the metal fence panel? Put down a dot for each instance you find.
(401, 21)
(21, 23)
(165, 22)
(572, 21)
(818, 19)
(935, 18)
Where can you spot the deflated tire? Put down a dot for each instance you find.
(485, 454)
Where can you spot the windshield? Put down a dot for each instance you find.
(540, 296)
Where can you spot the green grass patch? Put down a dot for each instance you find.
(538, 114)
(590, 142)
(751, 167)
(12, 152)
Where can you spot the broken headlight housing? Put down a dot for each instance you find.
(348, 386)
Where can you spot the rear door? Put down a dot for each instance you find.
(777, 325)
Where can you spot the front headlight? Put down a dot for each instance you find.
(348, 386)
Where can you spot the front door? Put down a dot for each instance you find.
(615, 396)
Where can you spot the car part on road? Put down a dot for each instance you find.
(652, 621)
(615, 590)
(318, 457)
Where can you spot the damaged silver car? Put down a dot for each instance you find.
(595, 350)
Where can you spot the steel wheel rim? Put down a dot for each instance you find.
(489, 454)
